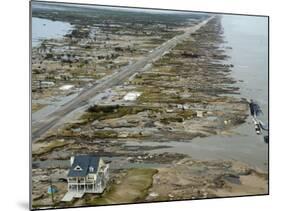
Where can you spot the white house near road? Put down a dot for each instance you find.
(87, 174)
(131, 96)
(66, 87)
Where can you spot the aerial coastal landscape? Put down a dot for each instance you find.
(141, 105)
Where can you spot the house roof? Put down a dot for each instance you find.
(85, 162)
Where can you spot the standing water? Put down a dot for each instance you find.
(46, 29)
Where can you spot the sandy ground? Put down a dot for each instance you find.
(190, 179)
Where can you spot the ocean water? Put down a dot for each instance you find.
(248, 37)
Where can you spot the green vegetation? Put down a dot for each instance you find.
(188, 114)
(105, 134)
(152, 95)
(170, 119)
(51, 146)
(101, 112)
(179, 117)
(36, 107)
(133, 187)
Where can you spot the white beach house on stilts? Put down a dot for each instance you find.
(87, 174)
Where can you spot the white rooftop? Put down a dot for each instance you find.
(131, 96)
(66, 87)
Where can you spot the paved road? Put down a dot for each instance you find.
(40, 127)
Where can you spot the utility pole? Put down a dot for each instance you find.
(51, 186)
(40, 84)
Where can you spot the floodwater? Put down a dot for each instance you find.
(248, 38)
(47, 29)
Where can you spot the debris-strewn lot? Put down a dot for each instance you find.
(95, 47)
(183, 178)
(192, 179)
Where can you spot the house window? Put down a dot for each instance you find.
(91, 169)
(78, 168)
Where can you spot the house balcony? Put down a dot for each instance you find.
(85, 188)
